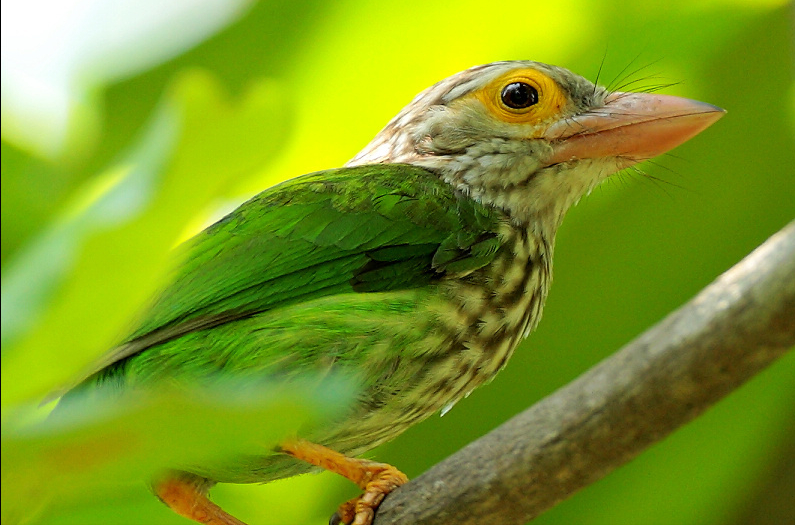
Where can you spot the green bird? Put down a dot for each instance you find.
(417, 268)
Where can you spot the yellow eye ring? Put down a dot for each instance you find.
(541, 99)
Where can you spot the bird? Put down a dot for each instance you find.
(415, 269)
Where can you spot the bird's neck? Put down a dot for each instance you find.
(503, 174)
(531, 201)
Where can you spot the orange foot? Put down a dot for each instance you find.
(187, 496)
(375, 479)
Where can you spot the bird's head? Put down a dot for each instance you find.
(531, 138)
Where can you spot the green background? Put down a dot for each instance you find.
(298, 86)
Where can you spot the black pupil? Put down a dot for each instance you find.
(519, 95)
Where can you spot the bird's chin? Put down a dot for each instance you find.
(626, 162)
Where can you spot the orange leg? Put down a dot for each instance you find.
(375, 479)
(187, 496)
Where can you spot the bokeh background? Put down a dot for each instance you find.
(127, 125)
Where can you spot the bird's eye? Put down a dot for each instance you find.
(518, 95)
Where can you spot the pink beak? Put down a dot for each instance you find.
(630, 126)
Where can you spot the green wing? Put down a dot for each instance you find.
(351, 230)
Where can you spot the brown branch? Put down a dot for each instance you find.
(730, 331)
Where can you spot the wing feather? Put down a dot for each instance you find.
(351, 230)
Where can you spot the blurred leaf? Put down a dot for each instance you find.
(103, 443)
(32, 190)
(58, 55)
(73, 292)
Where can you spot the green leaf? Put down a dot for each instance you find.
(75, 290)
(104, 444)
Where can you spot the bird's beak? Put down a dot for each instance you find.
(630, 127)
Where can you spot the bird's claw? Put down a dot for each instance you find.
(361, 510)
(335, 519)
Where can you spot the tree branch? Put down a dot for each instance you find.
(730, 331)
